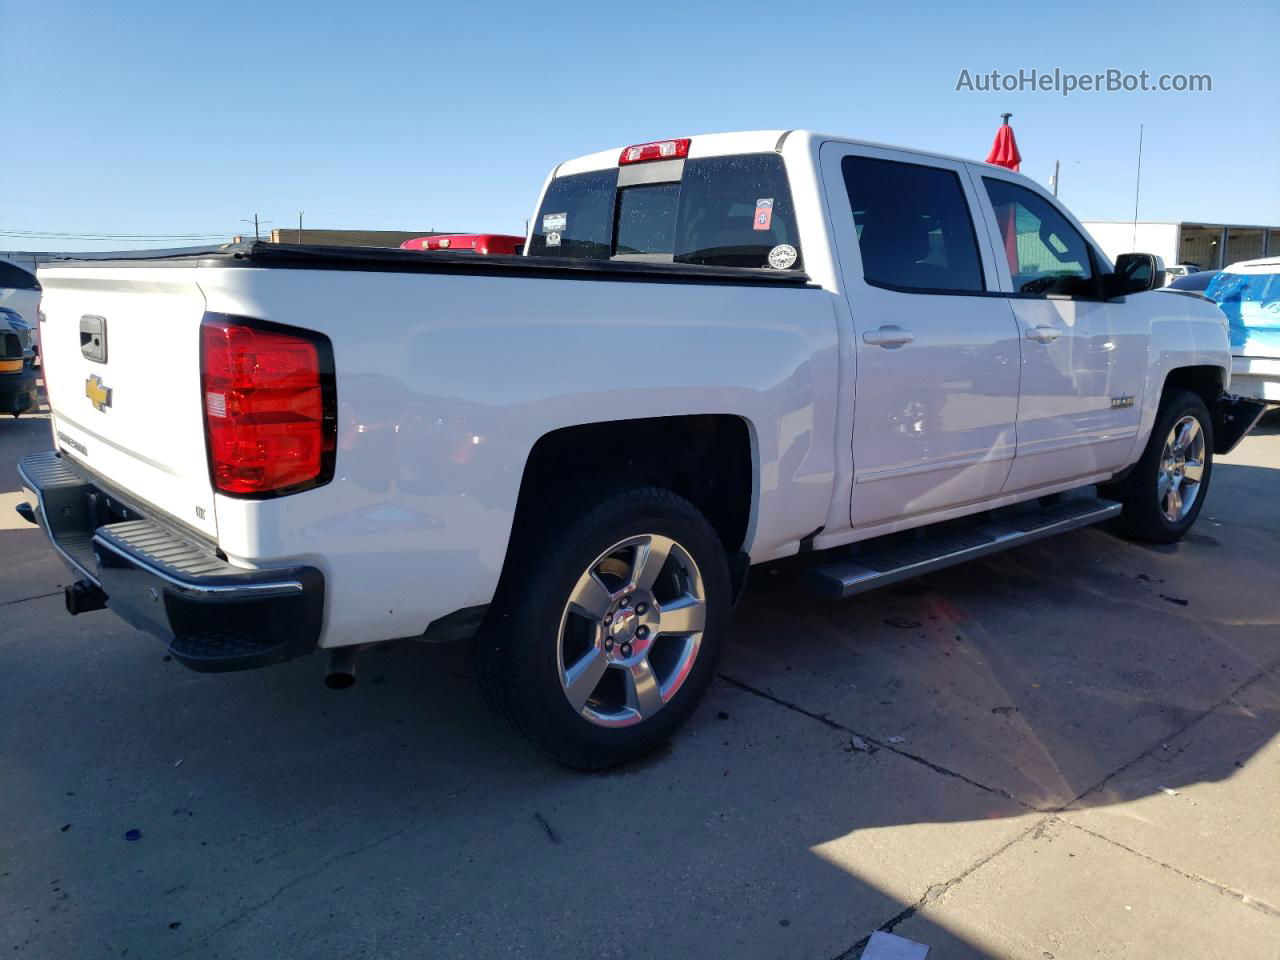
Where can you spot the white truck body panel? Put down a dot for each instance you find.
(430, 457)
(150, 439)
(445, 382)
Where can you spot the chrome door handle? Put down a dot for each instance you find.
(1043, 334)
(888, 336)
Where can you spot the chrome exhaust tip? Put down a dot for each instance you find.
(341, 674)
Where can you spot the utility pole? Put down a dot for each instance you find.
(1057, 165)
(300, 212)
(1137, 184)
(257, 224)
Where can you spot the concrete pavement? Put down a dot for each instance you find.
(1067, 750)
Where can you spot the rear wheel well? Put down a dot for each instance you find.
(704, 458)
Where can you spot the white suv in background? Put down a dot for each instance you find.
(20, 291)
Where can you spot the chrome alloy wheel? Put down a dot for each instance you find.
(1181, 469)
(631, 631)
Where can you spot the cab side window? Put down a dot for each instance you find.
(915, 231)
(1046, 254)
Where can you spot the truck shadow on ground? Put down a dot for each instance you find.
(967, 710)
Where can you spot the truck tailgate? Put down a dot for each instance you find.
(121, 347)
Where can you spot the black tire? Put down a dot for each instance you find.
(1143, 518)
(517, 653)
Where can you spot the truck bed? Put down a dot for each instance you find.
(448, 369)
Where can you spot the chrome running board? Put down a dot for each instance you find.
(872, 565)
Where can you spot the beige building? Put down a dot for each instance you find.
(348, 238)
(1210, 246)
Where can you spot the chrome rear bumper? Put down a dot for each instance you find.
(213, 615)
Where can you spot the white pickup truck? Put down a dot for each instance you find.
(717, 352)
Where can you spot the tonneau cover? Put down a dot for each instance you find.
(258, 253)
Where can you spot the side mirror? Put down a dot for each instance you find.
(1135, 273)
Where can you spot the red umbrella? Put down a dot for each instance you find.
(1004, 151)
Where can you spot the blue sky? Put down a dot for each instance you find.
(178, 119)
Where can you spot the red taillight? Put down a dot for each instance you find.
(657, 150)
(268, 407)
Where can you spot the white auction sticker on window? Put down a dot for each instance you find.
(554, 222)
(783, 256)
(553, 238)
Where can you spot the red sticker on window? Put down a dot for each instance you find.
(764, 214)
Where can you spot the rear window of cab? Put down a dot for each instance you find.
(733, 211)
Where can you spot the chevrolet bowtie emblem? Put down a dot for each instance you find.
(98, 395)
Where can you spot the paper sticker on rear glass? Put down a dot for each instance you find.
(783, 256)
(553, 225)
(764, 214)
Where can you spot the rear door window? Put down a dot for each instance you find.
(915, 232)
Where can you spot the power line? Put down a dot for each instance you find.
(45, 235)
(403, 216)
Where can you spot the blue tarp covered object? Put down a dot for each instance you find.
(1251, 302)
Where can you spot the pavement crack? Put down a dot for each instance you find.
(1170, 737)
(38, 596)
(551, 834)
(938, 890)
(1035, 830)
(294, 882)
(826, 721)
(1260, 905)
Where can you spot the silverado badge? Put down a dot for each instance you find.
(98, 395)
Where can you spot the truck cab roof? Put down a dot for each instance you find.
(742, 141)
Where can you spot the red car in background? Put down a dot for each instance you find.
(482, 243)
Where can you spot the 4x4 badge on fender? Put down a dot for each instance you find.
(98, 395)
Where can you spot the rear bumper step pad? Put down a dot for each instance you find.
(214, 616)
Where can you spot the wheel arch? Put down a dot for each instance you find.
(1231, 417)
(709, 459)
(1205, 380)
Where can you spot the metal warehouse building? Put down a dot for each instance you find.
(1210, 246)
(349, 238)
